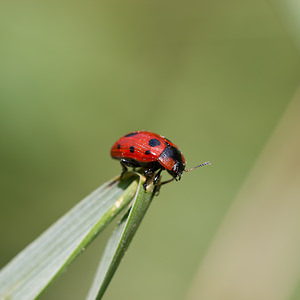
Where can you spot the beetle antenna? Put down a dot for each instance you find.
(204, 164)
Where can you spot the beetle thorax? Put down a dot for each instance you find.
(173, 161)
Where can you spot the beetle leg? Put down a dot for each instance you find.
(167, 181)
(145, 184)
(148, 174)
(158, 185)
(156, 177)
(124, 168)
(127, 163)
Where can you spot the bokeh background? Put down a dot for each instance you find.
(215, 77)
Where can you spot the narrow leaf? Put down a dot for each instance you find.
(31, 271)
(120, 240)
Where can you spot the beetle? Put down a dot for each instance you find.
(152, 152)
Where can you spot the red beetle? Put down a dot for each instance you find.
(152, 152)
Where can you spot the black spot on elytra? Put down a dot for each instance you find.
(131, 134)
(147, 152)
(119, 146)
(154, 142)
(131, 149)
(167, 144)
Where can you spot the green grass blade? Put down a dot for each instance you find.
(31, 271)
(119, 242)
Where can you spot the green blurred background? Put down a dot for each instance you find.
(213, 76)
